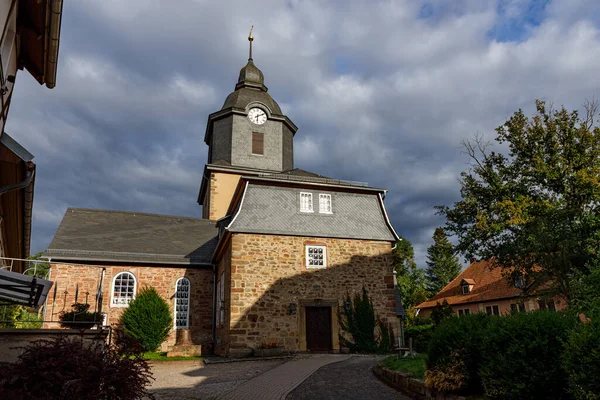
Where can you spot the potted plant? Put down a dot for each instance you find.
(79, 317)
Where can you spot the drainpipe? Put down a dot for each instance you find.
(29, 174)
(55, 9)
(214, 318)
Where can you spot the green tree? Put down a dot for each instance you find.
(537, 208)
(441, 312)
(411, 279)
(442, 262)
(369, 333)
(148, 318)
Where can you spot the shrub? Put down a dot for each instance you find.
(581, 360)
(522, 353)
(455, 353)
(148, 318)
(421, 335)
(71, 369)
(441, 312)
(360, 322)
(78, 316)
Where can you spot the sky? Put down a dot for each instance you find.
(382, 92)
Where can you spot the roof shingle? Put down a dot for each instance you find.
(105, 235)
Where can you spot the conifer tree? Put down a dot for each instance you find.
(442, 262)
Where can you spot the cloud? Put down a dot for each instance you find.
(382, 92)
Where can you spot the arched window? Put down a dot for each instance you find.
(123, 289)
(182, 303)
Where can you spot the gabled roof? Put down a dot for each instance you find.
(132, 237)
(488, 284)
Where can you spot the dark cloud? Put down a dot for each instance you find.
(382, 92)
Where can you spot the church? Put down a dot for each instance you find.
(272, 259)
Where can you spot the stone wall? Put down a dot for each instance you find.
(268, 273)
(12, 340)
(67, 278)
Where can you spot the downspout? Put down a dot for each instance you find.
(53, 42)
(29, 174)
(214, 318)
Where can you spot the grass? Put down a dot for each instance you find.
(415, 365)
(162, 356)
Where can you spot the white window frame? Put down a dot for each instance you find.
(492, 308)
(308, 259)
(309, 204)
(467, 287)
(186, 304)
(464, 311)
(324, 201)
(112, 293)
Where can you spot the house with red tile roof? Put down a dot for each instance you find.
(482, 288)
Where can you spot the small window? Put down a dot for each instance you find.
(306, 203)
(464, 311)
(325, 203)
(492, 310)
(466, 289)
(258, 143)
(316, 257)
(519, 282)
(547, 305)
(182, 303)
(123, 289)
(517, 307)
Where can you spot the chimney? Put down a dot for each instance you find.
(473, 259)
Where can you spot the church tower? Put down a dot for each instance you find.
(248, 136)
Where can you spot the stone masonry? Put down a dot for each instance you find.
(68, 278)
(267, 273)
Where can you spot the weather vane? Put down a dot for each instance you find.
(250, 39)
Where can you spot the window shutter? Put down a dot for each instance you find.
(258, 143)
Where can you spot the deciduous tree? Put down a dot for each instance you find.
(535, 208)
(411, 279)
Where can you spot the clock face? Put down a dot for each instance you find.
(257, 116)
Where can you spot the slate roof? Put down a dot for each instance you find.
(270, 209)
(488, 284)
(105, 235)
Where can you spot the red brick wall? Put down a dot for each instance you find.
(68, 277)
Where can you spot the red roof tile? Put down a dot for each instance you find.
(488, 284)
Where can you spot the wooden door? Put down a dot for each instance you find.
(318, 328)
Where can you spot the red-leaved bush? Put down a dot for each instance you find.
(65, 368)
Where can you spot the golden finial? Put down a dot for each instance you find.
(250, 39)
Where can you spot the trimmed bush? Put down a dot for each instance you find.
(522, 356)
(421, 335)
(455, 354)
(581, 360)
(148, 319)
(71, 369)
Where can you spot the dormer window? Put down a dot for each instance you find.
(306, 202)
(466, 285)
(325, 203)
(519, 282)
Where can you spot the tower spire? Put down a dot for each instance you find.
(250, 39)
